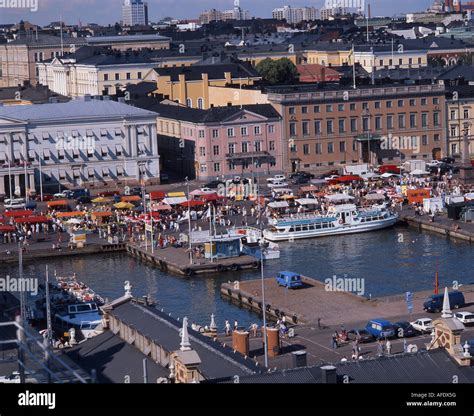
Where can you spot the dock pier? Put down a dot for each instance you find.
(441, 225)
(314, 303)
(176, 261)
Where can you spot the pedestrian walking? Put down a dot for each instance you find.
(227, 328)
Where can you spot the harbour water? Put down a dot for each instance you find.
(390, 262)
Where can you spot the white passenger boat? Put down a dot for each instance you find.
(85, 318)
(340, 219)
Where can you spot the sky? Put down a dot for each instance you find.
(109, 11)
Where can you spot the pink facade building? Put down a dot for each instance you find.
(220, 143)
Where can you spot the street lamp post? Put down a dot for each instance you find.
(264, 309)
(189, 225)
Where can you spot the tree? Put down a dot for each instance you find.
(281, 71)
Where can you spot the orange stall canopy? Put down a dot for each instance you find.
(69, 214)
(32, 220)
(17, 214)
(131, 198)
(58, 203)
(416, 196)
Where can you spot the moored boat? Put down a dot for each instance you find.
(340, 219)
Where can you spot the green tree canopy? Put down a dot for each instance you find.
(281, 71)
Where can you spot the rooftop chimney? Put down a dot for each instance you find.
(185, 344)
(328, 374)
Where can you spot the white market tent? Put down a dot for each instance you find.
(278, 204)
(175, 201)
(419, 172)
(339, 197)
(307, 201)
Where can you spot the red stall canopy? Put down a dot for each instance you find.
(192, 203)
(210, 197)
(20, 213)
(32, 220)
(157, 195)
(348, 178)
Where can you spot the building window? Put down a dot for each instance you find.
(412, 120)
(401, 121)
(306, 149)
(317, 109)
(365, 124)
(436, 119)
(377, 105)
(389, 122)
(424, 140)
(330, 147)
(244, 131)
(305, 127)
(365, 106)
(342, 125)
(230, 132)
(203, 168)
(271, 128)
(453, 131)
(342, 147)
(215, 133)
(202, 151)
(106, 77)
(378, 123)
(139, 75)
(436, 101)
(129, 75)
(353, 107)
(215, 150)
(217, 167)
(245, 147)
(412, 102)
(388, 104)
(436, 137)
(271, 145)
(353, 125)
(200, 103)
(292, 110)
(329, 108)
(231, 148)
(257, 130)
(117, 77)
(466, 113)
(330, 126)
(258, 146)
(424, 119)
(201, 134)
(189, 102)
(304, 110)
(319, 148)
(340, 107)
(292, 129)
(317, 127)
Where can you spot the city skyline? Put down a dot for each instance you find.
(85, 11)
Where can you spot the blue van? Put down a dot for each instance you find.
(289, 279)
(380, 328)
(435, 302)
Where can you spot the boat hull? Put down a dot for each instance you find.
(349, 229)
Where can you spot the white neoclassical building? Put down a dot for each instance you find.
(84, 142)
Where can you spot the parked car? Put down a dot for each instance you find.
(277, 178)
(360, 334)
(448, 160)
(14, 201)
(46, 197)
(207, 190)
(435, 302)
(214, 184)
(15, 205)
(471, 346)
(14, 378)
(63, 195)
(83, 200)
(277, 184)
(299, 180)
(434, 163)
(380, 328)
(289, 279)
(31, 205)
(423, 325)
(403, 329)
(467, 318)
(331, 177)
